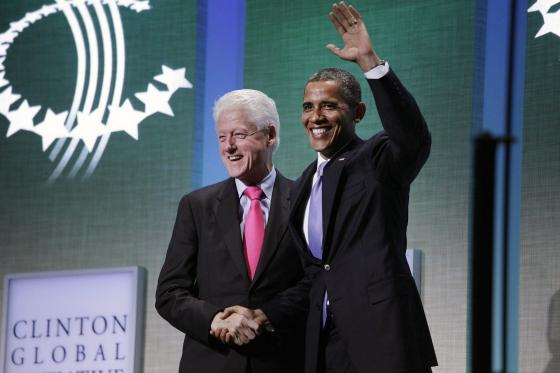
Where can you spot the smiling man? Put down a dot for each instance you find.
(350, 212)
(232, 278)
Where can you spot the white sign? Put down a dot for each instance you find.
(74, 322)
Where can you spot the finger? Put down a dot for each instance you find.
(354, 13)
(227, 312)
(252, 324)
(224, 314)
(339, 28)
(345, 13)
(238, 309)
(334, 49)
(222, 335)
(240, 339)
(339, 16)
(250, 334)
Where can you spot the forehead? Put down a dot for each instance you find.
(322, 90)
(233, 119)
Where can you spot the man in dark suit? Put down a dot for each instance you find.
(365, 313)
(231, 249)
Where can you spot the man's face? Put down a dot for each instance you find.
(248, 159)
(326, 117)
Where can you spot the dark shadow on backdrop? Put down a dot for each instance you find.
(553, 334)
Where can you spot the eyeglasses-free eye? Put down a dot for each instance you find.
(237, 135)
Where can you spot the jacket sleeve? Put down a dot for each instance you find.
(406, 140)
(176, 299)
(288, 308)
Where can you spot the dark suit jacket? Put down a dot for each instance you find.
(205, 271)
(374, 300)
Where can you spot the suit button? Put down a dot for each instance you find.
(327, 267)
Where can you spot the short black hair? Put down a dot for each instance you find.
(349, 86)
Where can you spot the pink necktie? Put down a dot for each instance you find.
(253, 232)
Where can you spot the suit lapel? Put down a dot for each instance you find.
(331, 185)
(300, 198)
(226, 207)
(276, 225)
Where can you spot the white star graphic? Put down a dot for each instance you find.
(7, 99)
(32, 17)
(19, 26)
(125, 3)
(141, 6)
(89, 128)
(155, 100)
(21, 118)
(551, 20)
(4, 49)
(8, 37)
(3, 81)
(48, 9)
(52, 128)
(173, 79)
(542, 6)
(125, 118)
(551, 24)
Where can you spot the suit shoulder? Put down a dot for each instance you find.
(283, 180)
(205, 193)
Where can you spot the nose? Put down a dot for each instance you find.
(229, 144)
(316, 115)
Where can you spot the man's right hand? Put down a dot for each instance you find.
(235, 328)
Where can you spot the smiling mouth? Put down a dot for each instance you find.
(234, 157)
(319, 132)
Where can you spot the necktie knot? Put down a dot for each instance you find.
(320, 169)
(253, 192)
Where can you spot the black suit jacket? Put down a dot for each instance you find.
(374, 300)
(205, 271)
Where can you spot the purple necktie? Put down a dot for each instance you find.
(315, 217)
(315, 224)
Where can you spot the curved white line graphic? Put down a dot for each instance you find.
(92, 85)
(92, 79)
(119, 82)
(93, 56)
(80, 74)
(107, 53)
(107, 76)
(81, 50)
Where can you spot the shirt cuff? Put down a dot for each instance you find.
(378, 71)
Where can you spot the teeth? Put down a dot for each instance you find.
(318, 131)
(234, 157)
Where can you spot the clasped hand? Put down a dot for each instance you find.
(238, 325)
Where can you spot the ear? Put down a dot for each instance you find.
(271, 135)
(360, 112)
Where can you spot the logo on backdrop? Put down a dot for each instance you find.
(85, 128)
(550, 11)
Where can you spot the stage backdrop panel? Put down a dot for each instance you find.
(78, 204)
(430, 44)
(539, 311)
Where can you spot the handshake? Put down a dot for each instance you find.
(239, 325)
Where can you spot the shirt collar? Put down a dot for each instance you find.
(266, 184)
(321, 160)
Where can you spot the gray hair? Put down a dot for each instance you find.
(347, 83)
(260, 109)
